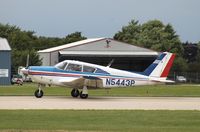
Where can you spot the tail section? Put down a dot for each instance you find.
(161, 66)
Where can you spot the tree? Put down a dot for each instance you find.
(194, 57)
(152, 34)
(190, 52)
(26, 42)
(129, 34)
(156, 36)
(73, 37)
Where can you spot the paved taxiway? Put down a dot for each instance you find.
(100, 103)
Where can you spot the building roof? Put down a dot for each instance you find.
(4, 46)
(70, 45)
(107, 53)
(101, 47)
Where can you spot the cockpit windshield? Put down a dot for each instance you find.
(61, 65)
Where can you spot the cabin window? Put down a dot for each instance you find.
(88, 69)
(61, 65)
(101, 71)
(74, 67)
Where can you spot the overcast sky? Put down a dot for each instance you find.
(100, 18)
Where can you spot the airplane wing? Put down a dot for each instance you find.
(92, 82)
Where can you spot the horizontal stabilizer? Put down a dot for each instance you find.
(163, 80)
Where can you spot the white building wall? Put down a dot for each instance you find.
(45, 57)
(54, 58)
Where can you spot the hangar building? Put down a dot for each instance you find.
(5, 62)
(101, 51)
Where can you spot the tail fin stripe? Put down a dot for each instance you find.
(168, 66)
(161, 57)
(149, 70)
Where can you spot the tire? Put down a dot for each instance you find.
(38, 94)
(83, 96)
(75, 93)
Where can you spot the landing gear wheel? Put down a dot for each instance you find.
(74, 93)
(83, 96)
(39, 93)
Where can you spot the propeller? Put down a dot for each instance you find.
(25, 69)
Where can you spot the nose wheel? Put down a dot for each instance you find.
(39, 93)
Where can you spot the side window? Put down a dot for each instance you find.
(101, 71)
(61, 65)
(88, 69)
(74, 67)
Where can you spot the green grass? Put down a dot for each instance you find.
(138, 91)
(94, 120)
(107, 120)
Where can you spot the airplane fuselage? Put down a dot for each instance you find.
(109, 77)
(82, 75)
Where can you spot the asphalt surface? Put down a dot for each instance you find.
(100, 103)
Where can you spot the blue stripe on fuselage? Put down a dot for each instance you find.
(53, 69)
(45, 69)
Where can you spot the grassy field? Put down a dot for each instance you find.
(138, 91)
(83, 120)
(107, 120)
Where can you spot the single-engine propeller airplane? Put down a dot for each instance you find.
(81, 75)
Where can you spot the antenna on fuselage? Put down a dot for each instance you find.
(110, 62)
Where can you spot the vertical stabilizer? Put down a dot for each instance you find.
(161, 66)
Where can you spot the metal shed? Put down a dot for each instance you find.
(101, 51)
(5, 62)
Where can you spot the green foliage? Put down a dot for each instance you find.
(25, 42)
(129, 34)
(73, 37)
(156, 36)
(194, 65)
(179, 64)
(152, 34)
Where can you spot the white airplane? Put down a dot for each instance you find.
(81, 75)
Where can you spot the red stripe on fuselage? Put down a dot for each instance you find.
(53, 74)
(168, 66)
(79, 75)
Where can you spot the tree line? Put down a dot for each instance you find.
(153, 35)
(162, 37)
(26, 42)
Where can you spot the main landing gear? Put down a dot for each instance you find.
(74, 93)
(39, 93)
(83, 94)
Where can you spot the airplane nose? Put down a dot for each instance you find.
(24, 71)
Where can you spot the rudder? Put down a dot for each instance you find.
(161, 66)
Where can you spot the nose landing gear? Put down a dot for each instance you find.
(39, 93)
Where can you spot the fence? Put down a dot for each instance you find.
(190, 77)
